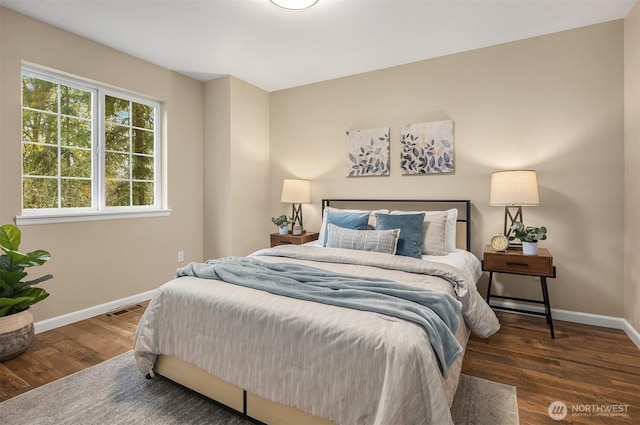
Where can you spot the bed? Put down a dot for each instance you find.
(298, 360)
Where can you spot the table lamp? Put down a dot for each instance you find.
(514, 189)
(296, 192)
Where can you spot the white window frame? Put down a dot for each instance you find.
(98, 209)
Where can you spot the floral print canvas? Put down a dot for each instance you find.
(368, 152)
(427, 148)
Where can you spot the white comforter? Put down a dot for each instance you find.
(350, 366)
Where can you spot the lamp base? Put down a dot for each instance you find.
(510, 217)
(296, 216)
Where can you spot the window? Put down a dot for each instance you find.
(129, 158)
(87, 150)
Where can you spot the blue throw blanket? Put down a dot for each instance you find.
(436, 312)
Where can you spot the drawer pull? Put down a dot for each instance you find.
(285, 242)
(509, 263)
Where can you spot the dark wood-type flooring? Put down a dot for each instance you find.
(62, 351)
(584, 365)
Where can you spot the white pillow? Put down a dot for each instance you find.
(323, 226)
(433, 231)
(450, 225)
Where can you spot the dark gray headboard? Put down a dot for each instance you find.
(463, 229)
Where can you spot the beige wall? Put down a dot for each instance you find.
(552, 103)
(98, 262)
(236, 146)
(217, 173)
(632, 171)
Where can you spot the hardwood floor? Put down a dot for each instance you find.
(69, 349)
(584, 367)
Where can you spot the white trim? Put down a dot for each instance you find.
(25, 220)
(76, 316)
(580, 317)
(631, 332)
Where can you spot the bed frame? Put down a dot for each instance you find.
(266, 412)
(252, 407)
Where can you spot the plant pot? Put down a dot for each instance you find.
(16, 334)
(529, 248)
(283, 230)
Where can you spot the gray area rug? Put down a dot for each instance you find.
(482, 402)
(114, 392)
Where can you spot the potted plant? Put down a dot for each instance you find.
(282, 223)
(17, 295)
(528, 235)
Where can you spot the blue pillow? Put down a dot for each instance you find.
(410, 226)
(347, 220)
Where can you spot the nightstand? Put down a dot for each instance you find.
(289, 239)
(513, 262)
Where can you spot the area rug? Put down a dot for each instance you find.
(114, 392)
(481, 402)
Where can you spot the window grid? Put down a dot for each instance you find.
(146, 185)
(59, 176)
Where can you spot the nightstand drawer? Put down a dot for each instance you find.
(515, 262)
(534, 266)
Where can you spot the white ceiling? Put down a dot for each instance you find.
(276, 49)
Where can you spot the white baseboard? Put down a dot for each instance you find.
(579, 317)
(76, 316)
(632, 332)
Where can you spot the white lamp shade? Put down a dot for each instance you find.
(514, 187)
(296, 191)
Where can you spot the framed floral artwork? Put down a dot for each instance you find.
(368, 152)
(427, 148)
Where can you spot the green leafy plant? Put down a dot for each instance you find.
(527, 233)
(281, 221)
(17, 295)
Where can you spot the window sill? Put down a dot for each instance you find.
(26, 220)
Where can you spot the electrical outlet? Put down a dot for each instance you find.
(180, 256)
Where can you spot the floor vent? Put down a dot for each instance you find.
(127, 309)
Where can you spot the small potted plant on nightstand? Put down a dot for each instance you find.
(282, 223)
(528, 235)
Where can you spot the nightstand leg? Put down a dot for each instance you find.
(547, 306)
(489, 287)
